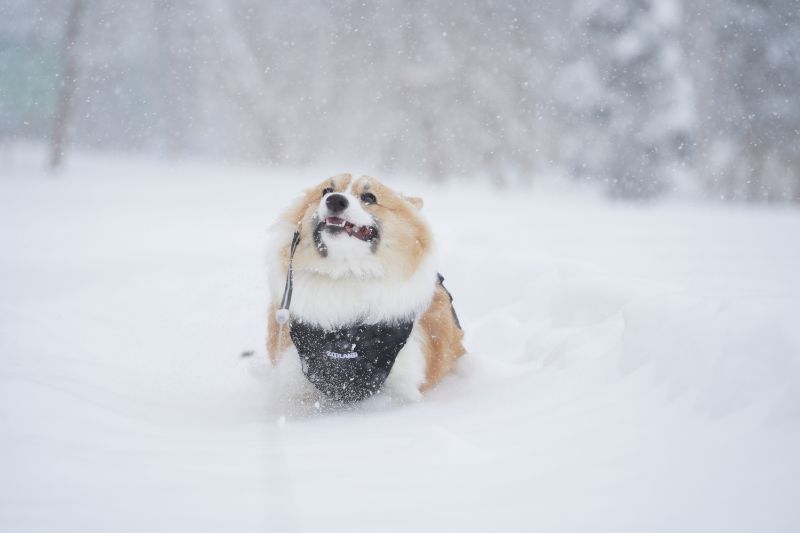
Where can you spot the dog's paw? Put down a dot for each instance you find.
(408, 372)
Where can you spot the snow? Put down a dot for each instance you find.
(631, 367)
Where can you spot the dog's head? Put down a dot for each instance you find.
(357, 227)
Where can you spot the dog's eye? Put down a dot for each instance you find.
(327, 190)
(368, 198)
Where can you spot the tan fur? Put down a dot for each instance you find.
(274, 336)
(410, 238)
(403, 248)
(443, 344)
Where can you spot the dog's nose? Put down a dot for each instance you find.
(336, 203)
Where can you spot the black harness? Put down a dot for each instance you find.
(352, 362)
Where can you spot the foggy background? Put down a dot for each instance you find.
(613, 189)
(642, 97)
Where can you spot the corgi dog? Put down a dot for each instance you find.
(358, 305)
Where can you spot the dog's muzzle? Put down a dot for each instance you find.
(333, 224)
(337, 224)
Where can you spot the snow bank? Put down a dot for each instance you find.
(631, 368)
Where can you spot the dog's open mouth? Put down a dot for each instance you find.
(336, 224)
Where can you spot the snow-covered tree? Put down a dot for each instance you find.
(640, 95)
(627, 95)
(758, 80)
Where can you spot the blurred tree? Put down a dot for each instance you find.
(627, 95)
(69, 79)
(634, 94)
(759, 72)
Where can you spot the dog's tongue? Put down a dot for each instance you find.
(364, 233)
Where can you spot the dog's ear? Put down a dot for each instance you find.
(416, 201)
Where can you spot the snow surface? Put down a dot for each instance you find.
(631, 368)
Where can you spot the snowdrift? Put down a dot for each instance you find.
(631, 368)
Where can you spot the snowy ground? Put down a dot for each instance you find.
(631, 368)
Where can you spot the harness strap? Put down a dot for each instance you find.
(452, 308)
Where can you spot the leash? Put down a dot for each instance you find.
(282, 314)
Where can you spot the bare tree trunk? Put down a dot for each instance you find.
(794, 169)
(68, 84)
(245, 79)
(436, 166)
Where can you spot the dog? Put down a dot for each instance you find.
(364, 308)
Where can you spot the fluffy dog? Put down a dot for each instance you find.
(368, 310)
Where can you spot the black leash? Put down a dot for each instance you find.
(282, 314)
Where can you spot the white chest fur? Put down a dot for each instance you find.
(326, 301)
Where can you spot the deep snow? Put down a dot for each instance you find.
(631, 368)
